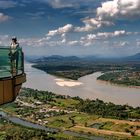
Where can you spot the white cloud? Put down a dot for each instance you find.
(64, 40)
(35, 42)
(108, 10)
(120, 44)
(87, 40)
(118, 33)
(92, 24)
(124, 43)
(106, 16)
(113, 34)
(138, 43)
(129, 8)
(73, 43)
(106, 35)
(3, 17)
(90, 39)
(59, 3)
(61, 30)
(116, 9)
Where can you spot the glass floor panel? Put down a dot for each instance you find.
(5, 63)
(6, 74)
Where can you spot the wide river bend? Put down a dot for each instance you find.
(84, 87)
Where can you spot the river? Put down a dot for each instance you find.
(84, 87)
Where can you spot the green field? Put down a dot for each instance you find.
(76, 114)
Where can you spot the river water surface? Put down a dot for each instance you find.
(84, 87)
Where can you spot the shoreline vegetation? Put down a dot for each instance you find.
(104, 78)
(89, 117)
(119, 85)
(68, 74)
(74, 67)
(115, 72)
(124, 78)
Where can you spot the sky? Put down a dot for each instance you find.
(104, 28)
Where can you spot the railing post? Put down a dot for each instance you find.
(22, 54)
(11, 65)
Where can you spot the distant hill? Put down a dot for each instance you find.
(71, 58)
(135, 57)
(93, 58)
(56, 58)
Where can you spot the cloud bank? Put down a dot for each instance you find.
(107, 14)
(118, 9)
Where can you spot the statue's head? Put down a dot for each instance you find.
(14, 39)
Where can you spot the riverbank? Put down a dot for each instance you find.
(45, 130)
(123, 78)
(118, 85)
(89, 87)
(68, 73)
(70, 115)
(12, 129)
(73, 67)
(70, 80)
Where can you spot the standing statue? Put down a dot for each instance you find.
(14, 56)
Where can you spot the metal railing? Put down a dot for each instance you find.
(6, 68)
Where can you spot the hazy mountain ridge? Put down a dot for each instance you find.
(135, 57)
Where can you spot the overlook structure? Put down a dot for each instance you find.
(10, 84)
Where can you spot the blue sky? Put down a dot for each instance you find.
(72, 27)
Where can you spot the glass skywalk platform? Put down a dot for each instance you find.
(5, 63)
(10, 84)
